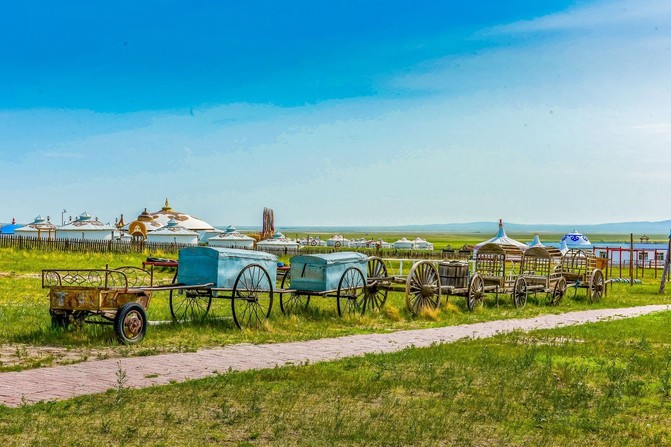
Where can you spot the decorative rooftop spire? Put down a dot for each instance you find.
(167, 206)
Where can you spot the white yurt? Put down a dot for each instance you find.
(338, 240)
(85, 227)
(165, 214)
(41, 228)
(403, 244)
(576, 240)
(383, 244)
(421, 244)
(173, 233)
(313, 241)
(279, 243)
(359, 243)
(502, 239)
(143, 225)
(207, 235)
(231, 238)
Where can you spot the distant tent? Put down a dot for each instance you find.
(576, 240)
(502, 239)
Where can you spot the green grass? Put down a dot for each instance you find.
(24, 315)
(603, 384)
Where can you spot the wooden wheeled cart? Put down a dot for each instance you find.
(424, 286)
(244, 277)
(498, 267)
(349, 277)
(539, 273)
(580, 269)
(118, 297)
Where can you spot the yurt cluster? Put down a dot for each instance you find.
(173, 227)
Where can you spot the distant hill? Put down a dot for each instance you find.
(638, 228)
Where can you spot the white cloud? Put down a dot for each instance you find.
(601, 14)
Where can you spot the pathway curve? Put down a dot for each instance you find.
(64, 382)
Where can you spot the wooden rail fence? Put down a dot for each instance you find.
(86, 246)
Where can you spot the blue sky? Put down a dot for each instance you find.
(337, 113)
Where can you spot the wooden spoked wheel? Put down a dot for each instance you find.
(189, 305)
(376, 293)
(520, 293)
(476, 293)
(292, 301)
(596, 286)
(351, 292)
(252, 298)
(557, 293)
(422, 288)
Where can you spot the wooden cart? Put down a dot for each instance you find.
(497, 266)
(118, 297)
(245, 277)
(424, 285)
(539, 273)
(580, 269)
(344, 276)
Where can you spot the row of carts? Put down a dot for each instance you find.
(252, 280)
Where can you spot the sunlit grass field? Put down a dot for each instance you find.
(603, 384)
(25, 320)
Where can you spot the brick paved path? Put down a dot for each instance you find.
(63, 382)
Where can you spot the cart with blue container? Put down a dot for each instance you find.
(341, 275)
(245, 277)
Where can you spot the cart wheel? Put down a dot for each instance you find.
(130, 323)
(189, 305)
(520, 292)
(557, 292)
(476, 293)
(376, 293)
(351, 292)
(252, 298)
(596, 286)
(422, 288)
(59, 319)
(292, 301)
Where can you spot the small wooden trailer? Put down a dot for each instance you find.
(539, 273)
(581, 270)
(498, 266)
(118, 297)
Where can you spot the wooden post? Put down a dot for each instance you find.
(631, 259)
(655, 262)
(666, 267)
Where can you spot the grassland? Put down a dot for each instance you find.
(27, 339)
(604, 384)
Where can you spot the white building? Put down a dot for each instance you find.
(421, 244)
(85, 227)
(165, 214)
(278, 244)
(232, 238)
(41, 228)
(173, 233)
(338, 241)
(403, 244)
(576, 240)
